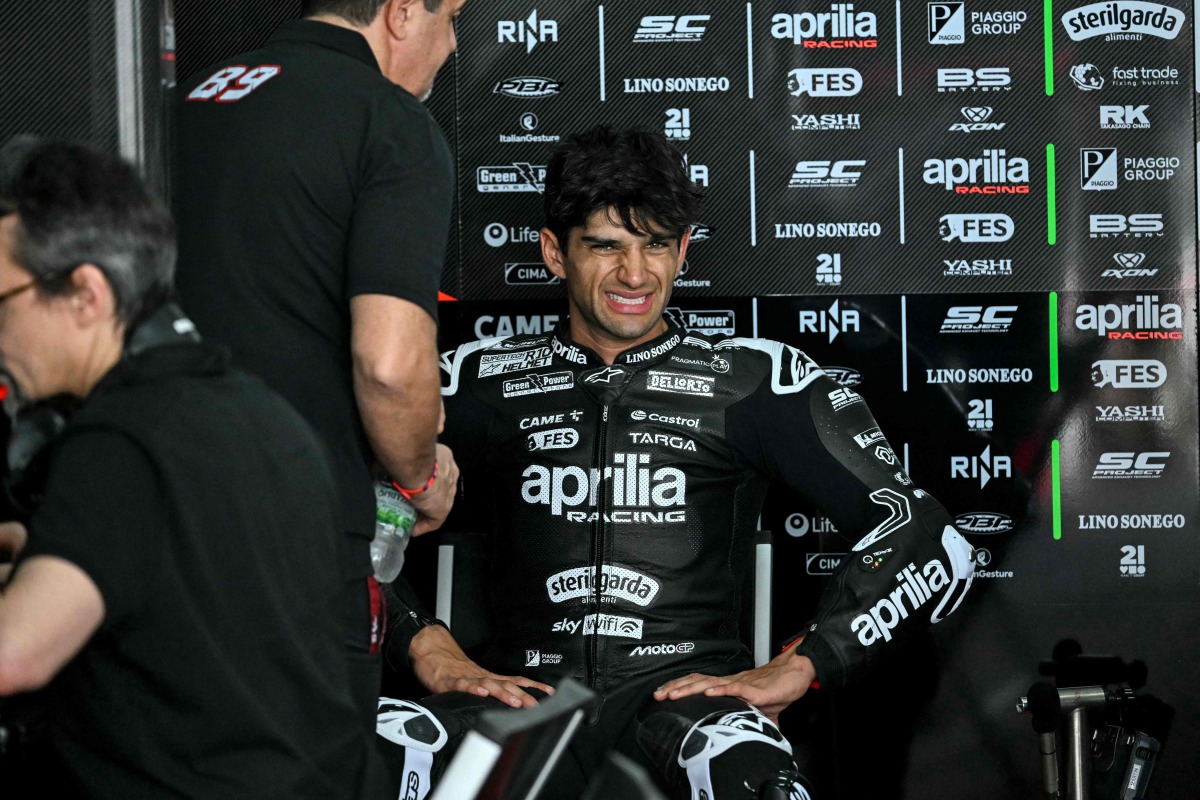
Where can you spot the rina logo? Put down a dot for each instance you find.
(1123, 21)
(637, 492)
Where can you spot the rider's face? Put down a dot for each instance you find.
(618, 282)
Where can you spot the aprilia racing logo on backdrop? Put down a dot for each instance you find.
(826, 174)
(947, 22)
(1124, 117)
(658, 29)
(992, 173)
(977, 120)
(1137, 226)
(965, 79)
(520, 176)
(830, 82)
(1129, 373)
(639, 493)
(528, 87)
(975, 228)
(1128, 466)
(826, 122)
(1144, 319)
(530, 31)
(1129, 265)
(1122, 21)
(840, 28)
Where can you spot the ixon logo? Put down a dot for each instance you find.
(840, 28)
(1144, 319)
(975, 228)
(1130, 466)
(1129, 265)
(977, 120)
(983, 467)
(833, 321)
(991, 173)
(530, 31)
(657, 29)
(1131, 373)
(1125, 20)
(978, 319)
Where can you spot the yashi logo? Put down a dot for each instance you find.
(662, 649)
(828, 82)
(630, 482)
(1126, 466)
(1144, 319)
(557, 439)
(528, 87)
(1124, 117)
(1137, 226)
(826, 174)
(826, 122)
(978, 319)
(688, 28)
(983, 467)
(977, 120)
(1131, 414)
(1125, 20)
(992, 173)
(615, 583)
(984, 523)
(965, 79)
(992, 267)
(520, 176)
(1133, 373)
(840, 28)
(833, 321)
(973, 228)
(530, 31)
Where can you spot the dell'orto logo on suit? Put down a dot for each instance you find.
(530, 31)
(839, 28)
(829, 82)
(833, 321)
(689, 28)
(1144, 319)
(1124, 20)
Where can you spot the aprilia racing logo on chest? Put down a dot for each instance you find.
(1144, 319)
(639, 494)
(947, 22)
(1125, 20)
(991, 173)
(840, 28)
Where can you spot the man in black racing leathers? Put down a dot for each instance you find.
(627, 461)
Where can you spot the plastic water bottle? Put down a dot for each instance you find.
(394, 518)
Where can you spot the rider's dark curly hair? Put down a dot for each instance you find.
(637, 173)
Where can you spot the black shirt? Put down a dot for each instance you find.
(202, 508)
(324, 182)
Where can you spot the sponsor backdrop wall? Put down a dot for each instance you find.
(982, 216)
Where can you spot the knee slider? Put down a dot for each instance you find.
(717, 732)
(409, 725)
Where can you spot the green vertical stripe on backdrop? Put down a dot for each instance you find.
(1057, 490)
(1051, 202)
(1053, 315)
(1048, 44)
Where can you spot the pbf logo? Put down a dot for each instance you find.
(1143, 320)
(832, 82)
(840, 28)
(833, 321)
(979, 228)
(982, 467)
(1124, 20)
(530, 31)
(992, 173)
(689, 28)
(965, 79)
(528, 87)
(978, 319)
(1126, 466)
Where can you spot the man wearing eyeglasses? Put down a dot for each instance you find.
(173, 598)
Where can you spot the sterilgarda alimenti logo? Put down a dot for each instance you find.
(1123, 20)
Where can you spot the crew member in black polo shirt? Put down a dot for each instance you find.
(174, 592)
(313, 203)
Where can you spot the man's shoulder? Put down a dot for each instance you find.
(494, 356)
(790, 369)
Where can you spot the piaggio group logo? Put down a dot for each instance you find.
(839, 28)
(1099, 168)
(1123, 21)
(947, 22)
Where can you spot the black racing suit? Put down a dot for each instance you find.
(626, 499)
